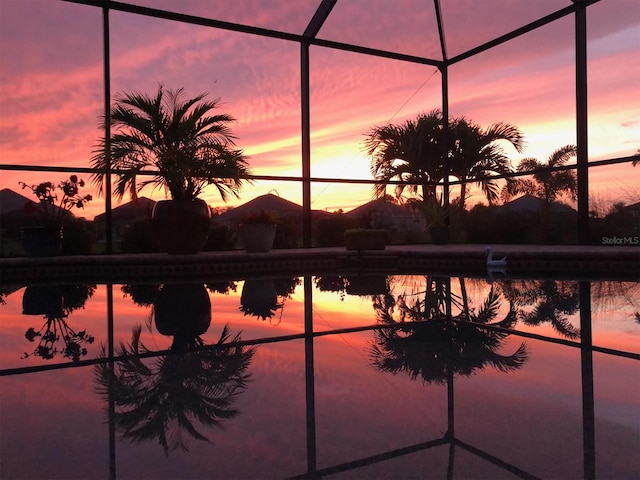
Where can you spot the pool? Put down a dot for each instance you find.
(348, 372)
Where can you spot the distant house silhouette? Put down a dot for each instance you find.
(633, 209)
(377, 213)
(17, 211)
(623, 220)
(12, 202)
(380, 213)
(267, 203)
(122, 217)
(12, 206)
(529, 203)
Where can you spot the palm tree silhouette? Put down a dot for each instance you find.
(194, 383)
(188, 147)
(552, 301)
(144, 294)
(411, 153)
(477, 154)
(545, 185)
(332, 283)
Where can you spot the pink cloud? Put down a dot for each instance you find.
(51, 73)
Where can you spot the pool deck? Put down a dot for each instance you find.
(523, 261)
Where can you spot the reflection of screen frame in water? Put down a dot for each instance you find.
(445, 307)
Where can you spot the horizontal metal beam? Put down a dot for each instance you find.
(495, 460)
(363, 462)
(518, 32)
(262, 32)
(288, 178)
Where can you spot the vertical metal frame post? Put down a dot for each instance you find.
(306, 144)
(444, 72)
(586, 364)
(107, 129)
(309, 375)
(314, 26)
(111, 404)
(582, 138)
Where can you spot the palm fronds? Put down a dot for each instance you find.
(183, 145)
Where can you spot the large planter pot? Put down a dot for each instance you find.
(181, 226)
(41, 241)
(257, 237)
(182, 311)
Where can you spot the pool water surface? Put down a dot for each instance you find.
(321, 376)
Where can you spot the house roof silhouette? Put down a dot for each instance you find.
(529, 203)
(378, 206)
(634, 207)
(12, 202)
(268, 203)
(140, 207)
(15, 205)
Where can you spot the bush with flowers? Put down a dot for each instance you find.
(259, 217)
(54, 208)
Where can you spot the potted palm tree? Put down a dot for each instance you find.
(437, 214)
(183, 147)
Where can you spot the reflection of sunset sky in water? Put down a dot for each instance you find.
(530, 417)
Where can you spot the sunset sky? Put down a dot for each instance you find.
(51, 81)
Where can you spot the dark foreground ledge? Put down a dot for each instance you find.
(523, 261)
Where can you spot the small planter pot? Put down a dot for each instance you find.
(257, 237)
(259, 298)
(41, 241)
(181, 226)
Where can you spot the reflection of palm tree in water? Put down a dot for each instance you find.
(439, 343)
(142, 294)
(165, 399)
(616, 296)
(552, 300)
(193, 382)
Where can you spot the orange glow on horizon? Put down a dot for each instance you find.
(52, 77)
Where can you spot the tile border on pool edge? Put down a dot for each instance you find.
(561, 262)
